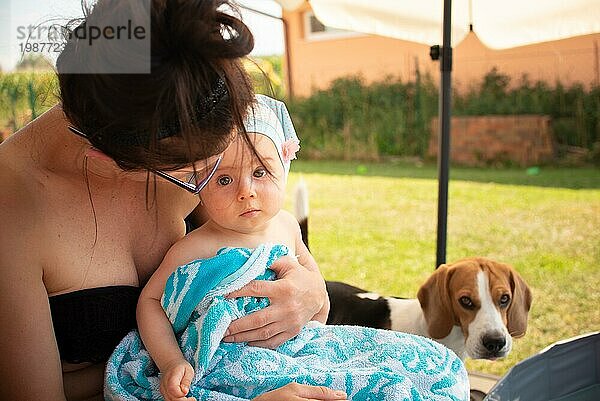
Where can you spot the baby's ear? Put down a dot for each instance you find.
(94, 153)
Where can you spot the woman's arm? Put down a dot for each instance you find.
(306, 259)
(30, 367)
(296, 297)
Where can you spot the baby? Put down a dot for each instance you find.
(184, 310)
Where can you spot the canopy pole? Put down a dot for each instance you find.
(444, 134)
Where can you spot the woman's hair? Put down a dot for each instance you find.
(196, 94)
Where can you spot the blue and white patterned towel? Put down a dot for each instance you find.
(367, 364)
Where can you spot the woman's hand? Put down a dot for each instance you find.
(175, 380)
(301, 392)
(296, 297)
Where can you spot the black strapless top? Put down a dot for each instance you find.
(89, 323)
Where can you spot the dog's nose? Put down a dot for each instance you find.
(494, 343)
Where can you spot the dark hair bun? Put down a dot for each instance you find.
(196, 46)
(212, 29)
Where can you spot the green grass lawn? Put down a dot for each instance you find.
(374, 226)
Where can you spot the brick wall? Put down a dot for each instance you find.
(524, 140)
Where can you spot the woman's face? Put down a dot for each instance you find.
(242, 196)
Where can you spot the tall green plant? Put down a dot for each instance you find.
(13, 90)
(25, 95)
(352, 119)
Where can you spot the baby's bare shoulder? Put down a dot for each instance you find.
(198, 244)
(287, 218)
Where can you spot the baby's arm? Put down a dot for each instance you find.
(156, 330)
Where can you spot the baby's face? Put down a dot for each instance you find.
(244, 194)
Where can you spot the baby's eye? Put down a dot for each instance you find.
(224, 180)
(259, 172)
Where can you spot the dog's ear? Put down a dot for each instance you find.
(435, 302)
(519, 305)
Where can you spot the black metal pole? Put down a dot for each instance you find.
(444, 134)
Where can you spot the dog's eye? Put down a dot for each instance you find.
(466, 302)
(504, 300)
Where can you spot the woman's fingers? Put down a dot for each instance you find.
(295, 298)
(276, 311)
(320, 393)
(302, 392)
(255, 288)
(284, 265)
(273, 328)
(272, 342)
(269, 327)
(270, 336)
(245, 325)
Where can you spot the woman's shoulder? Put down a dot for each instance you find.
(18, 180)
(21, 210)
(21, 176)
(18, 253)
(15, 198)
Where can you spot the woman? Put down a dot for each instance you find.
(95, 191)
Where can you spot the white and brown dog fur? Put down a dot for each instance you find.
(474, 306)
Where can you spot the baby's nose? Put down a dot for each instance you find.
(246, 189)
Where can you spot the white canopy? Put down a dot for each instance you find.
(498, 23)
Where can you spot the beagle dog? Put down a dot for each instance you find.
(474, 306)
